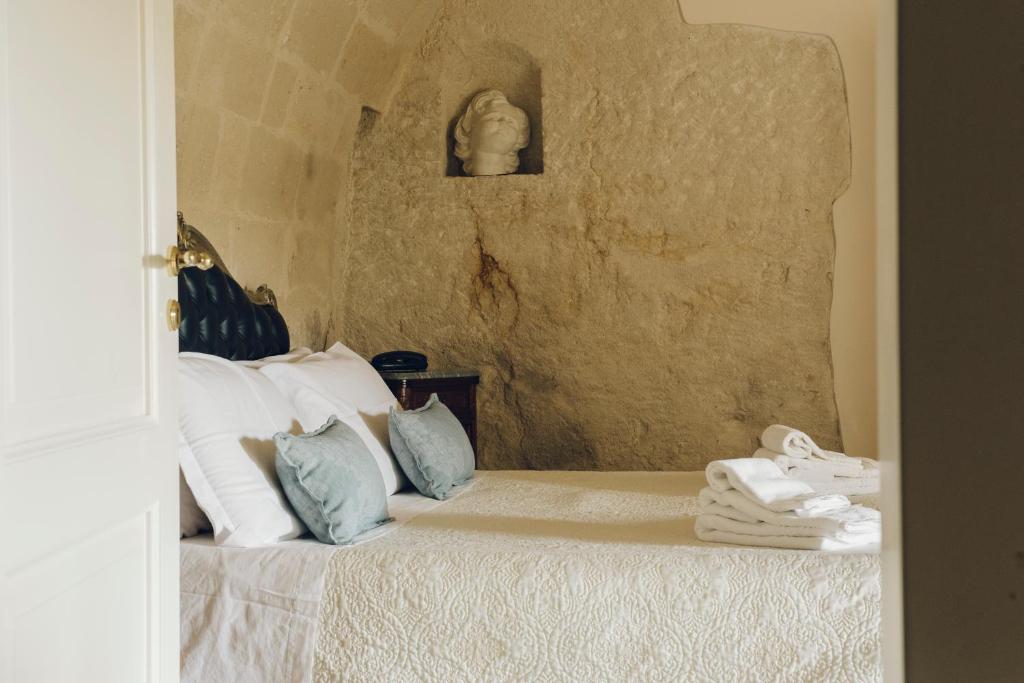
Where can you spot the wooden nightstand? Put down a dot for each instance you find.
(455, 387)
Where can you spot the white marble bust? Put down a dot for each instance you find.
(490, 134)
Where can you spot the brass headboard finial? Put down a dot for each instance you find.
(262, 296)
(190, 239)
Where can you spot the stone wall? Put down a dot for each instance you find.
(269, 95)
(661, 292)
(852, 25)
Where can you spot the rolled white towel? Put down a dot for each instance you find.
(763, 482)
(788, 441)
(855, 519)
(717, 529)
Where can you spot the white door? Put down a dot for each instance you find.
(88, 473)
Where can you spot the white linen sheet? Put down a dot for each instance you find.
(250, 614)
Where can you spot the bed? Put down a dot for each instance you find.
(539, 576)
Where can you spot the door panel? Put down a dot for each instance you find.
(88, 473)
(77, 208)
(96, 580)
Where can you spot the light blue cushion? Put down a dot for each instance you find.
(432, 448)
(332, 481)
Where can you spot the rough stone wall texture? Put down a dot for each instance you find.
(661, 292)
(269, 95)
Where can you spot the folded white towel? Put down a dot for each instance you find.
(844, 486)
(855, 519)
(708, 503)
(809, 476)
(722, 523)
(763, 482)
(870, 467)
(709, 528)
(821, 468)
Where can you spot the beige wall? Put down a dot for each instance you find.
(268, 98)
(661, 292)
(852, 25)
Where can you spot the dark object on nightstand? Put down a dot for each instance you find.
(455, 387)
(399, 361)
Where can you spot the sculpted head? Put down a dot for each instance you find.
(490, 134)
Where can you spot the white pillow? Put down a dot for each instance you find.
(192, 520)
(339, 382)
(228, 415)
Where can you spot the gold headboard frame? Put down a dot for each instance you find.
(189, 238)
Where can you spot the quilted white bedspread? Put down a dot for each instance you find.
(559, 576)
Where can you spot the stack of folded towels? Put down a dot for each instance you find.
(800, 458)
(751, 501)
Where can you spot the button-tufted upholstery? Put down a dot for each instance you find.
(218, 318)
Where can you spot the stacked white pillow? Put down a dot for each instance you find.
(192, 519)
(340, 382)
(229, 412)
(228, 416)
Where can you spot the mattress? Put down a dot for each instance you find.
(583, 576)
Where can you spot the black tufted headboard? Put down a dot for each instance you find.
(218, 316)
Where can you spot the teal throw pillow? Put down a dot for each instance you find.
(332, 481)
(432, 447)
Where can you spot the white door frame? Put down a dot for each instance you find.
(888, 333)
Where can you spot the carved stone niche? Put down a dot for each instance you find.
(512, 71)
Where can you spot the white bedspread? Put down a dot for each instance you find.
(551, 576)
(539, 576)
